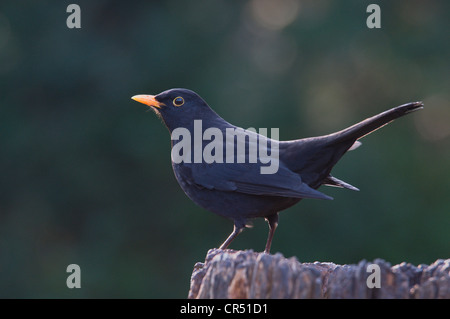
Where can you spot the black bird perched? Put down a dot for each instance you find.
(237, 189)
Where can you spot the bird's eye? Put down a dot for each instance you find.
(178, 101)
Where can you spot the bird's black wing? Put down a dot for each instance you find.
(247, 178)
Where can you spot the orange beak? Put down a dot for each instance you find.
(148, 100)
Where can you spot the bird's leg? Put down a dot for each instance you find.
(238, 228)
(273, 223)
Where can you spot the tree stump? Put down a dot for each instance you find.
(247, 274)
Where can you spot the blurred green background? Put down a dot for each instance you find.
(85, 171)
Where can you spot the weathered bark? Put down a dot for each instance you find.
(247, 274)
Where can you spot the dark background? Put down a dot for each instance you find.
(85, 171)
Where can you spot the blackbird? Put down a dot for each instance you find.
(238, 190)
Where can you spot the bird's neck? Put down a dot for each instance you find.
(198, 122)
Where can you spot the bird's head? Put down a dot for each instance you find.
(177, 107)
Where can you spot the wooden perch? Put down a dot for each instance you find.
(247, 274)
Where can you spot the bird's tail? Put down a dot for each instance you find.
(371, 124)
(347, 139)
(316, 156)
